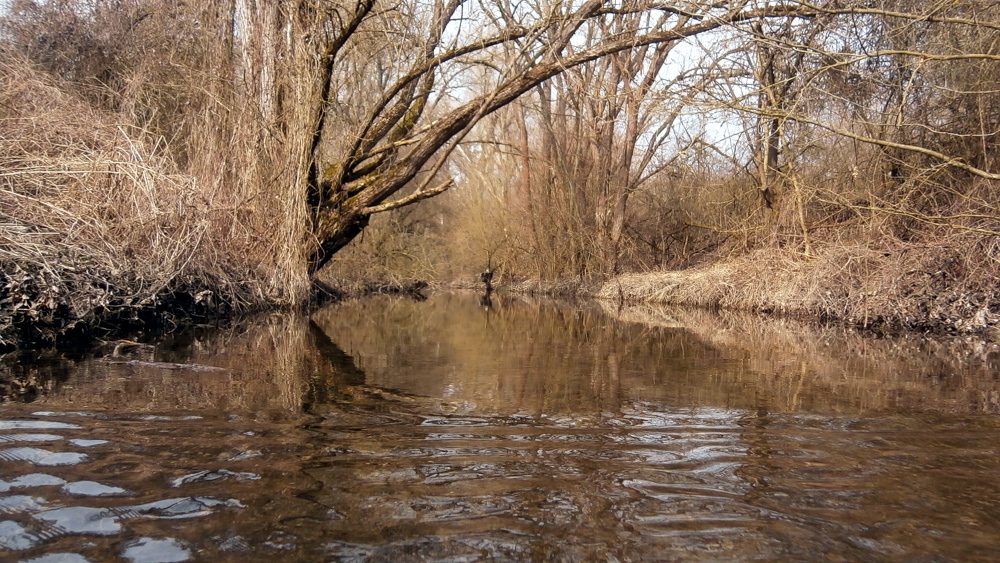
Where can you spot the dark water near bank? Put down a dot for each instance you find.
(389, 429)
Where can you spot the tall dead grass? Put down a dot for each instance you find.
(96, 217)
(949, 284)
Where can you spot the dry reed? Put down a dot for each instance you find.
(96, 220)
(917, 286)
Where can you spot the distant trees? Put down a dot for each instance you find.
(890, 117)
(508, 50)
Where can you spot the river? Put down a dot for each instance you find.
(453, 429)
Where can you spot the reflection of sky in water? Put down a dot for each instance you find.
(14, 536)
(92, 489)
(78, 488)
(42, 457)
(81, 443)
(220, 475)
(36, 425)
(59, 558)
(84, 520)
(31, 480)
(29, 438)
(151, 550)
(51, 510)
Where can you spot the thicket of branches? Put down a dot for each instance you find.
(236, 146)
(866, 125)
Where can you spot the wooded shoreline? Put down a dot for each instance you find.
(924, 302)
(164, 163)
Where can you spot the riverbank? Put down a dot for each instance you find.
(103, 232)
(67, 305)
(71, 304)
(908, 287)
(108, 231)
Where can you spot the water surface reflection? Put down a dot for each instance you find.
(544, 357)
(530, 430)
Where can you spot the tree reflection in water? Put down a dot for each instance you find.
(529, 430)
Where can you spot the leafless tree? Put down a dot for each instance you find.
(349, 109)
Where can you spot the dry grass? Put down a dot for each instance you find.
(82, 196)
(941, 286)
(95, 217)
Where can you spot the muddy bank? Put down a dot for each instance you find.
(905, 289)
(900, 289)
(543, 288)
(74, 305)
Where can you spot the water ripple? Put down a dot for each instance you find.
(38, 456)
(36, 425)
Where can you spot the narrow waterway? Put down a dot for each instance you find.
(453, 429)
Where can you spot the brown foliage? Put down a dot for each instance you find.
(96, 216)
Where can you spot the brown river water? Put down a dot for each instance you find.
(388, 429)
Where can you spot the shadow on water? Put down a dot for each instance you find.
(512, 430)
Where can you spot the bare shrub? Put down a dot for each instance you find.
(95, 216)
(77, 182)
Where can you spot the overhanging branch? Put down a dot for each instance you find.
(944, 158)
(410, 199)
